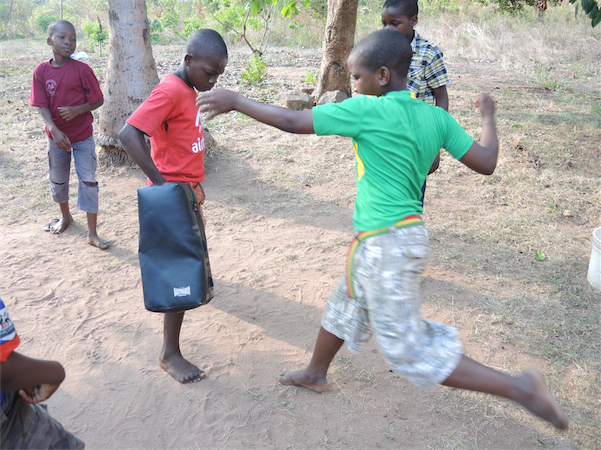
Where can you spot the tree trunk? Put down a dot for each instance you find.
(131, 74)
(338, 43)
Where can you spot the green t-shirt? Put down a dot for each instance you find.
(396, 139)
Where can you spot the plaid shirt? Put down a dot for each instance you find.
(427, 71)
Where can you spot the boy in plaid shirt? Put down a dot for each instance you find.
(427, 78)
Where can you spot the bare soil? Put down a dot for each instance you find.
(279, 213)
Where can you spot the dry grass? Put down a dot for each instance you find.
(545, 75)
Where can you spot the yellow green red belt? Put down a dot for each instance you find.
(408, 221)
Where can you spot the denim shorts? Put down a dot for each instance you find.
(27, 426)
(386, 275)
(59, 164)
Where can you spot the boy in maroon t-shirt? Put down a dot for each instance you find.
(171, 118)
(66, 91)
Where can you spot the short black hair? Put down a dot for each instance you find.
(52, 26)
(206, 42)
(384, 48)
(408, 8)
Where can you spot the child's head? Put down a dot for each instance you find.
(206, 58)
(379, 58)
(62, 39)
(400, 15)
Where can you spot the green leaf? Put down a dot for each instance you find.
(596, 20)
(539, 256)
(254, 7)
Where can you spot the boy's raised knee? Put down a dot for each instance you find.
(91, 183)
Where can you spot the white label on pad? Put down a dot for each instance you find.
(181, 292)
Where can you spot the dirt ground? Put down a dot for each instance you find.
(279, 213)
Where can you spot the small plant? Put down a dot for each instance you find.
(544, 77)
(43, 21)
(156, 28)
(310, 77)
(95, 33)
(539, 256)
(191, 24)
(255, 70)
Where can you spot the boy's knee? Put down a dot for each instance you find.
(56, 183)
(91, 183)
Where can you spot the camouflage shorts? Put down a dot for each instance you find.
(386, 276)
(27, 426)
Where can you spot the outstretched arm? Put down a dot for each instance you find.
(134, 143)
(482, 156)
(219, 101)
(35, 379)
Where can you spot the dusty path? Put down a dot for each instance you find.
(274, 269)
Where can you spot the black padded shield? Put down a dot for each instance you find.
(174, 258)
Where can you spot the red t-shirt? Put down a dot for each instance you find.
(71, 84)
(172, 120)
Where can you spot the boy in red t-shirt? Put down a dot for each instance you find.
(66, 91)
(171, 119)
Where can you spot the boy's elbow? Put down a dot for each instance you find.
(489, 171)
(489, 167)
(124, 136)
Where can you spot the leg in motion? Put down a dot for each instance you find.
(314, 375)
(529, 389)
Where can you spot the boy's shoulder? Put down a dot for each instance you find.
(80, 66)
(421, 45)
(42, 67)
(173, 87)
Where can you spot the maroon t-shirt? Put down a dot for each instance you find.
(71, 84)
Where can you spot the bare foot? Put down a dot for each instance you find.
(61, 225)
(98, 242)
(300, 378)
(181, 369)
(539, 399)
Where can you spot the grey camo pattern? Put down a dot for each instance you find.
(27, 426)
(387, 271)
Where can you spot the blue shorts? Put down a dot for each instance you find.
(386, 275)
(23, 425)
(59, 164)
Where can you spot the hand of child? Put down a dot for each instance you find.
(39, 393)
(201, 197)
(69, 112)
(215, 102)
(61, 140)
(486, 104)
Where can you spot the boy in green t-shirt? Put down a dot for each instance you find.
(395, 138)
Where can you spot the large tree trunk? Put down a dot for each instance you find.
(338, 43)
(131, 74)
